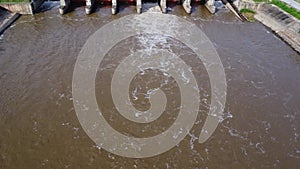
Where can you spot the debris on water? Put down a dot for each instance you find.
(44, 161)
(138, 114)
(134, 94)
(65, 124)
(226, 115)
(291, 117)
(76, 137)
(260, 147)
(267, 125)
(75, 129)
(206, 150)
(244, 151)
(234, 133)
(192, 140)
(35, 126)
(111, 156)
(97, 147)
(167, 165)
(61, 95)
(13, 25)
(151, 92)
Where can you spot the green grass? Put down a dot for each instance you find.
(249, 14)
(245, 10)
(260, 0)
(5, 1)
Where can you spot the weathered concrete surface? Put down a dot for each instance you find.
(23, 7)
(293, 3)
(6, 19)
(283, 24)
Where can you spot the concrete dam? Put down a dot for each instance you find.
(30, 6)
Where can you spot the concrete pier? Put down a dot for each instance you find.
(64, 6)
(210, 5)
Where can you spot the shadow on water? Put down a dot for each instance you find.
(47, 6)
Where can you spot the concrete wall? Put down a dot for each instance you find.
(23, 7)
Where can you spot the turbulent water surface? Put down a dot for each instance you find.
(39, 127)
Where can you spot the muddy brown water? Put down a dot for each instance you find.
(39, 127)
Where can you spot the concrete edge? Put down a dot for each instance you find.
(8, 21)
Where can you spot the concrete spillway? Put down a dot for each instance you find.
(31, 6)
(90, 4)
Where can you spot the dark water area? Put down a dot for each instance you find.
(39, 127)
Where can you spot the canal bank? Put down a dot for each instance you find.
(282, 24)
